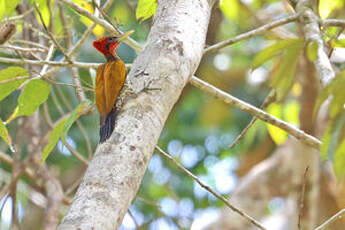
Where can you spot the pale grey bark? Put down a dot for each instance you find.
(313, 34)
(172, 54)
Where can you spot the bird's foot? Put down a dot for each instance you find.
(148, 87)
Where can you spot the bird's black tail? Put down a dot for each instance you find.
(107, 129)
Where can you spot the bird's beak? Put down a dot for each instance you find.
(125, 35)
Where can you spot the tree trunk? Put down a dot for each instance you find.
(172, 54)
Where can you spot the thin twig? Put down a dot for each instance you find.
(51, 63)
(29, 43)
(331, 220)
(133, 218)
(301, 202)
(68, 41)
(205, 186)
(51, 36)
(23, 49)
(251, 33)
(13, 79)
(77, 154)
(18, 17)
(67, 84)
(105, 16)
(268, 100)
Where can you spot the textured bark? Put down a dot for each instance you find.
(171, 56)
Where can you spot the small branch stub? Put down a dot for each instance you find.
(6, 32)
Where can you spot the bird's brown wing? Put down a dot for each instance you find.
(114, 79)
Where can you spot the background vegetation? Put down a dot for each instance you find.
(199, 129)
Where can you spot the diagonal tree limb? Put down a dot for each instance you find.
(205, 186)
(260, 114)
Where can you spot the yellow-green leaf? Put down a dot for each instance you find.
(326, 140)
(34, 94)
(331, 137)
(312, 51)
(278, 135)
(2, 9)
(283, 78)
(230, 8)
(336, 88)
(339, 162)
(10, 73)
(53, 139)
(274, 50)
(327, 6)
(291, 112)
(4, 134)
(145, 9)
(80, 110)
(338, 43)
(98, 31)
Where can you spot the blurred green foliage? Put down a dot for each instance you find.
(199, 128)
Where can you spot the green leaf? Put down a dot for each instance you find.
(53, 139)
(312, 51)
(291, 112)
(10, 73)
(331, 137)
(80, 110)
(336, 88)
(274, 50)
(338, 43)
(337, 104)
(326, 139)
(278, 135)
(4, 134)
(145, 9)
(283, 78)
(34, 94)
(339, 162)
(230, 8)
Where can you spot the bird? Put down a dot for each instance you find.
(110, 79)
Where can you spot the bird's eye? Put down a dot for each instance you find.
(112, 39)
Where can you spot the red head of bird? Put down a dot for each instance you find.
(108, 45)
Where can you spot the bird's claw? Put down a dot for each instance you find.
(147, 86)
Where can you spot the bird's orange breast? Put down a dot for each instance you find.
(110, 78)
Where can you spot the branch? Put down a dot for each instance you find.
(251, 33)
(262, 115)
(271, 97)
(170, 57)
(333, 22)
(68, 41)
(205, 186)
(331, 220)
(51, 63)
(313, 34)
(23, 49)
